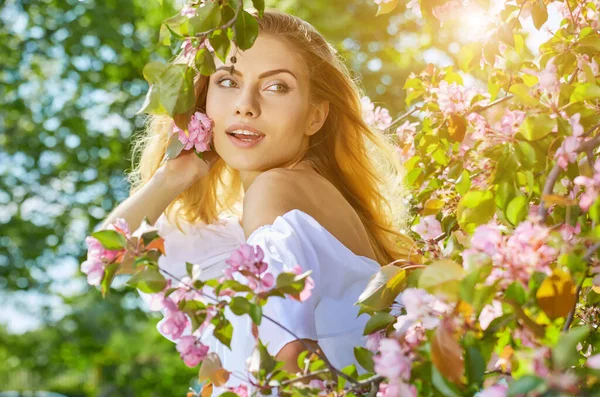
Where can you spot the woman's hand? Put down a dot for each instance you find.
(183, 171)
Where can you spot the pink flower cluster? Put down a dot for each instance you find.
(393, 363)
(98, 257)
(248, 261)
(423, 311)
(548, 77)
(514, 257)
(454, 98)
(376, 117)
(199, 133)
(567, 153)
(511, 121)
(406, 134)
(592, 187)
(176, 322)
(428, 227)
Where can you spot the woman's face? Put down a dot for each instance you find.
(268, 92)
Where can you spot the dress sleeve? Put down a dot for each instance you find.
(285, 247)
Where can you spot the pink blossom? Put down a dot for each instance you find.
(567, 153)
(373, 340)
(421, 307)
(175, 321)
(414, 6)
(497, 390)
(576, 127)
(584, 60)
(396, 389)
(428, 227)
(548, 77)
(487, 239)
(406, 131)
(199, 134)
(592, 187)
(489, 313)
(377, 117)
(567, 231)
(241, 390)
(188, 11)
(309, 284)
(99, 257)
(248, 261)
(392, 361)
(593, 361)
(452, 98)
(511, 121)
(480, 125)
(192, 351)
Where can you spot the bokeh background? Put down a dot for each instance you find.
(70, 86)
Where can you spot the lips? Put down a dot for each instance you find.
(242, 126)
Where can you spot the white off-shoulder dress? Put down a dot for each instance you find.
(329, 316)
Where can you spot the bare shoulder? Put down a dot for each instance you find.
(273, 193)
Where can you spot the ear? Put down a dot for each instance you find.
(319, 115)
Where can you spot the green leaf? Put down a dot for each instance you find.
(446, 388)
(539, 14)
(517, 210)
(524, 385)
(463, 184)
(474, 365)
(245, 30)
(110, 239)
(522, 95)
(223, 332)
(207, 17)
(189, 267)
(378, 321)
(174, 146)
(153, 70)
(516, 292)
(537, 127)
(442, 277)
(148, 280)
(475, 208)
(260, 7)
(365, 358)
(204, 62)
(239, 305)
(383, 287)
(164, 36)
(565, 353)
(178, 26)
(585, 92)
(255, 313)
(152, 103)
(109, 275)
(221, 43)
(176, 86)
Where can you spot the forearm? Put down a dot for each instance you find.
(149, 201)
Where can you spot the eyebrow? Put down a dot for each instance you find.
(260, 76)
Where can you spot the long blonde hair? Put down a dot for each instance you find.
(360, 163)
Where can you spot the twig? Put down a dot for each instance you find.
(405, 115)
(304, 377)
(497, 101)
(586, 258)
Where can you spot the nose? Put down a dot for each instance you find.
(247, 105)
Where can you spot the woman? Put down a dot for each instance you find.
(315, 185)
